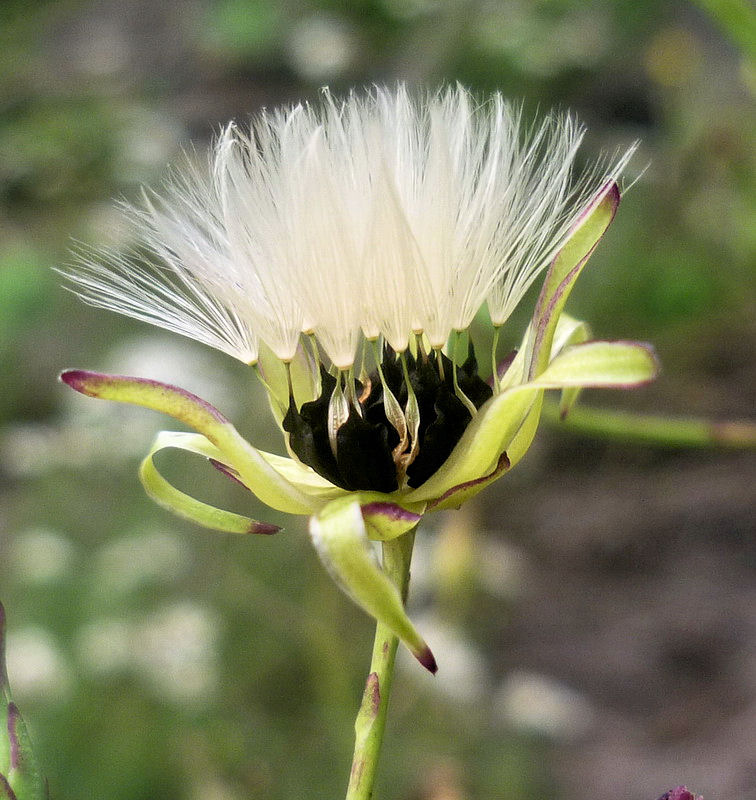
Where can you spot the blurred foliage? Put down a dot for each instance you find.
(156, 661)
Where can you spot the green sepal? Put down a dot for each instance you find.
(23, 776)
(252, 467)
(569, 331)
(340, 537)
(304, 478)
(487, 436)
(609, 365)
(183, 505)
(304, 379)
(515, 372)
(460, 494)
(518, 446)
(521, 441)
(567, 400)
(5, 699)
(508, 421)
(6, 793)
(564, 271)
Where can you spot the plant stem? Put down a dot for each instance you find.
(371, 718)
(654, 430)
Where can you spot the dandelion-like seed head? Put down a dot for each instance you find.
(343, 249)
(374, 227)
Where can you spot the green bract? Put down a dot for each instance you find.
(555, 354)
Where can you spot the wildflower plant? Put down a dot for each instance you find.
(343, 250)
(20, 778)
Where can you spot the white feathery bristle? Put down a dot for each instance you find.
(185, 289)
(391, 261)
(381, 215)
(332, 227)
(546, 205)
(428, 185)
(248, 176)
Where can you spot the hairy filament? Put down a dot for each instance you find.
(440, 362)
(494, 362)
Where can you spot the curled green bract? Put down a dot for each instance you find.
(339, 534)
(184, 505)
(556, 353)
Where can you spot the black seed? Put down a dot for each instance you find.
(308, 432)
(451, 419)
(364, 456)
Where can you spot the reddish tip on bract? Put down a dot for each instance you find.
(391, 511)
(76, 379)
(227, 471)
(264, 528)
(426, 658)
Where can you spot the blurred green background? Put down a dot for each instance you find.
(593, 615)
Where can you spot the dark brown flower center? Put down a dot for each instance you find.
(364, 457)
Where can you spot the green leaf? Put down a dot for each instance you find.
(564, 271)
(185, 506)
(253, 469)
(340, 538)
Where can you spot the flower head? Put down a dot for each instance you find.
(344, 250)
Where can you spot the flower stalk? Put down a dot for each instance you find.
(371, 718)
(653, 429)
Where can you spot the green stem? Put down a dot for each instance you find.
(371, 718)
(655, 430)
